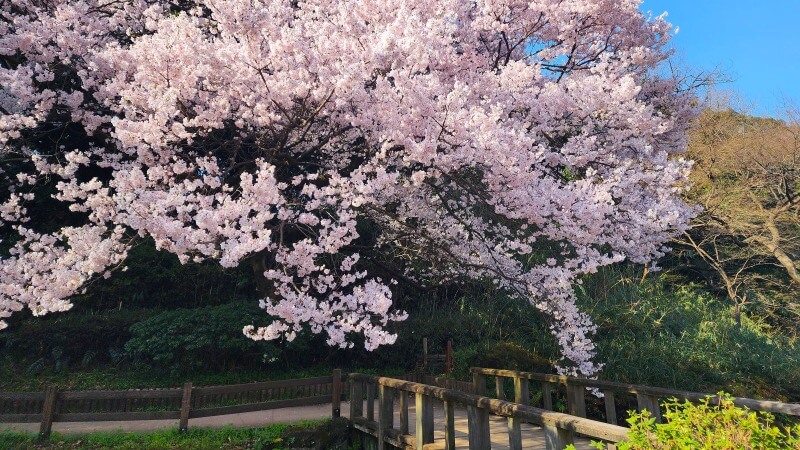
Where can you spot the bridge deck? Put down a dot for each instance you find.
(532, 435)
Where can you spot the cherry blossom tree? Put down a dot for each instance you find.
(525, 142)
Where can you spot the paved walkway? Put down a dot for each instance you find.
(244, 420)
(532, 435)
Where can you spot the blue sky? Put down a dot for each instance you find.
(756, 43)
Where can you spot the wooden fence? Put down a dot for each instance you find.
(559, 429)
(180, 404)
(646, 397)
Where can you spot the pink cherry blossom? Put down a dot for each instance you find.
(524, 142)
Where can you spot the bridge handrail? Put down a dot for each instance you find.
(559, 428)
(645, 394)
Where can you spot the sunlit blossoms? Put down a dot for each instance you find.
(525, 142)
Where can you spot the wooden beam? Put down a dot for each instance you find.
(449, 426)
(424, 415)
(521, 391)
(48, 410)
(356, 399)
(403, 412)
(336, 392)
(547, 396)
(514, 434)
(500, 388)
(611, 407)
(186, 405)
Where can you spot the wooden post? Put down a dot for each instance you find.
(370, 401)
(186, 405)
(356, 399)
(650, 403)
(478, 428)
(514, 434)
(500, 388)
(611, 407)
(48, 410)
(449, 426)
(522, 393)
(424, 353)
(555, 438)
(424, 420)
(403, 412)
(385, 414)
(336, 395)
(576, 400)
(448, 357)
(478, 383)
(547, 396)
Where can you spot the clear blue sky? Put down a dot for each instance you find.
(755, 42)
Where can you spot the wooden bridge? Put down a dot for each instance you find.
(417, 412)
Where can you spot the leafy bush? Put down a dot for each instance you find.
(201, 337)
(705, 425)
(660, 332)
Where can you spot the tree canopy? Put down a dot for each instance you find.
(525, 142)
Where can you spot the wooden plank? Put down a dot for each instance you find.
(424, 413)
(356, 399)
(50, 399)
(479, 384)
(611, 407)
(499, 387)
(385, 414)
(186, 405)
(650, 403)
(276, 404)
(514, 434)
(20, 418)
(522, 391)
(113, 416)
(246, 387)
(478, 432)
(556, 438)
(576, 400)
(403, 412)
(336, 393)
(21, 396)
(370, 401)
(547, 396)
(449, 426)
(132, 394)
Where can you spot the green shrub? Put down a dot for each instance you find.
(210, 337)
(498, 355)
(709, 426)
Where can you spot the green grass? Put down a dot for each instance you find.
(268, 437)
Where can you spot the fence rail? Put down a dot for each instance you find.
(647, 397)
(181, 404)
(559, 429)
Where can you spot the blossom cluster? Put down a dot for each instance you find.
(525, 142)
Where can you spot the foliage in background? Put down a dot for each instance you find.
(209, 337)
(690, 426)
(662, 332)
(745, 242)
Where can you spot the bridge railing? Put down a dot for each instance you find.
(559, 429)
(182, 404)
(647, 397)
